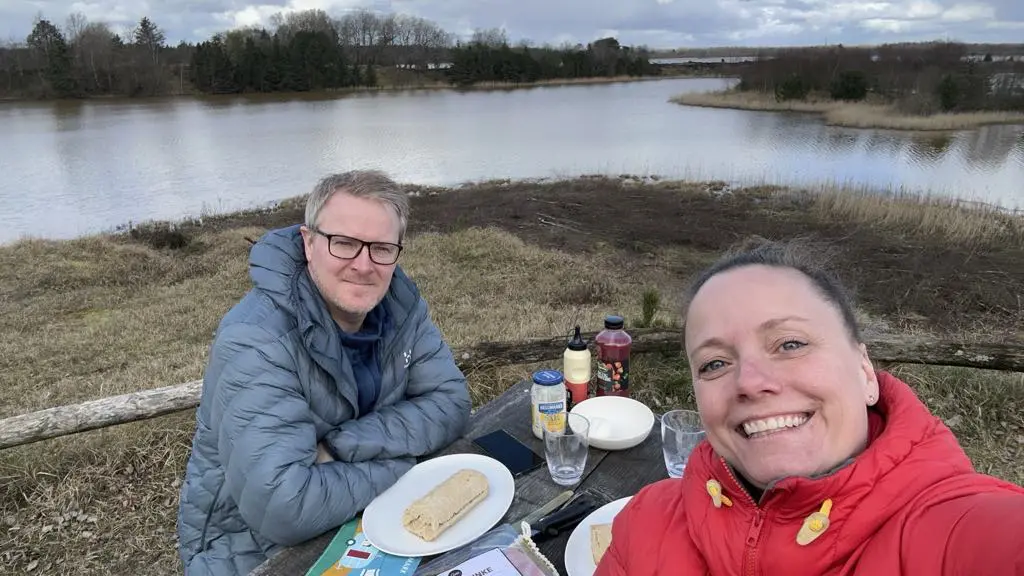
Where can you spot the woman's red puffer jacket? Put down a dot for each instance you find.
(911, 504)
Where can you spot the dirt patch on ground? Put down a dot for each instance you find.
(942, 284)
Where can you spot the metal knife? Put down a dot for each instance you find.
(549, 507)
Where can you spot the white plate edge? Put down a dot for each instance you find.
(586, 523)
(498, 468)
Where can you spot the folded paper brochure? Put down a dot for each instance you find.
(351, 553)
(493, 563)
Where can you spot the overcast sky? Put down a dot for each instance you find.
(656, 23)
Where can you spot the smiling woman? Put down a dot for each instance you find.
(781, 378)
(827, 463)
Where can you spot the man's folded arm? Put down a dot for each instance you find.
(433, 415)
(267, 446)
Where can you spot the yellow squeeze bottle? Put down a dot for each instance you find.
(576, 363)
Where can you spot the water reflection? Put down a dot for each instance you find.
(68, 115)
(989, 147)
(927, 149)
(840, 141)
(73, 168)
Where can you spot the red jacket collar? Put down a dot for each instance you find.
(901, 429)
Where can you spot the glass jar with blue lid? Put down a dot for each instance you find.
(547, 402)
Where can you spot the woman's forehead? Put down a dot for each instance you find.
(752, 295)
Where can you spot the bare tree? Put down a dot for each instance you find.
(94, 50)
(387, 30)
(346, 30)
(315, 20)
(493, 37)
(74, 25)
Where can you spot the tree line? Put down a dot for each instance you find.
(491, 59)
(919, 78)
(306, 50)
(84, 59)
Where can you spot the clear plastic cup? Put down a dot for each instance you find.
(566, 450)
(681, 431)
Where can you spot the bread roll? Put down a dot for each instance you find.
(600, 539)
(445, 504)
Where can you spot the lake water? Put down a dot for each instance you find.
(68, 169)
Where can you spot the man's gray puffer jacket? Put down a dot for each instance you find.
(276, 384)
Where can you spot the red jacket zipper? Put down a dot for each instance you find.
(750, 555)
(754, 533)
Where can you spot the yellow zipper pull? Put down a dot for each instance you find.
(717, 498)
(814, 525)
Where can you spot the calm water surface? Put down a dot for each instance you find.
(74, 168)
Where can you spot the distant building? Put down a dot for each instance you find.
(993, 58)
(1006, 82)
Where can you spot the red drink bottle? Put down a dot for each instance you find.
(613, 346)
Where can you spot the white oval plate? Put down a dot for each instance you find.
(382, 519)
(616, 422)
(578, 559)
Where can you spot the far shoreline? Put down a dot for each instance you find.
(850, 114)
(384, 87)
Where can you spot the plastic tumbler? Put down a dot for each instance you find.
(681, 431)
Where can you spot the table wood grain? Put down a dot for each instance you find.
(608, 476)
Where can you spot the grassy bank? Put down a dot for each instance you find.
(98, 316)
(849, 114)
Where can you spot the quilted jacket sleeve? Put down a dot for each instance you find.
(267, 446)
(434, 413)
(979, 534)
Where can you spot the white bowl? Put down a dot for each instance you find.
(616, 422)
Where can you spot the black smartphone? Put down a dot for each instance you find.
(507, 449)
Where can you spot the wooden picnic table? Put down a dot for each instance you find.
(608, 476)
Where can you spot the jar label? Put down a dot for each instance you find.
(550, 415)
(613, 375)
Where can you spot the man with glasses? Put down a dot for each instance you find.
(324, 384)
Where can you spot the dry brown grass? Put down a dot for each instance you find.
(755, 101)
(852, 115)
(485, 284)
(98, 316)
(923, 216)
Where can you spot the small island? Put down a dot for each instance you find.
(921, 87)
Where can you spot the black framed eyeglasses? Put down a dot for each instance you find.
(348, 248)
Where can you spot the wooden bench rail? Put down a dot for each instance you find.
(884, 349)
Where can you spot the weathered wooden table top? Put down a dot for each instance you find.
(608, 475)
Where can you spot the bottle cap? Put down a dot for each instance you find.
(577, 342)
(613, 322)
(547, 377)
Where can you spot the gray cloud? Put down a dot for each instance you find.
(656, 23)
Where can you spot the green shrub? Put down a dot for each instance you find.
(949, 92)
(850, 85)
(792, 88)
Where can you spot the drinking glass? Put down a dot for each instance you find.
(565, 449)
(681, 431)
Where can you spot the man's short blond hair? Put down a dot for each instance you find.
(364, 184)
